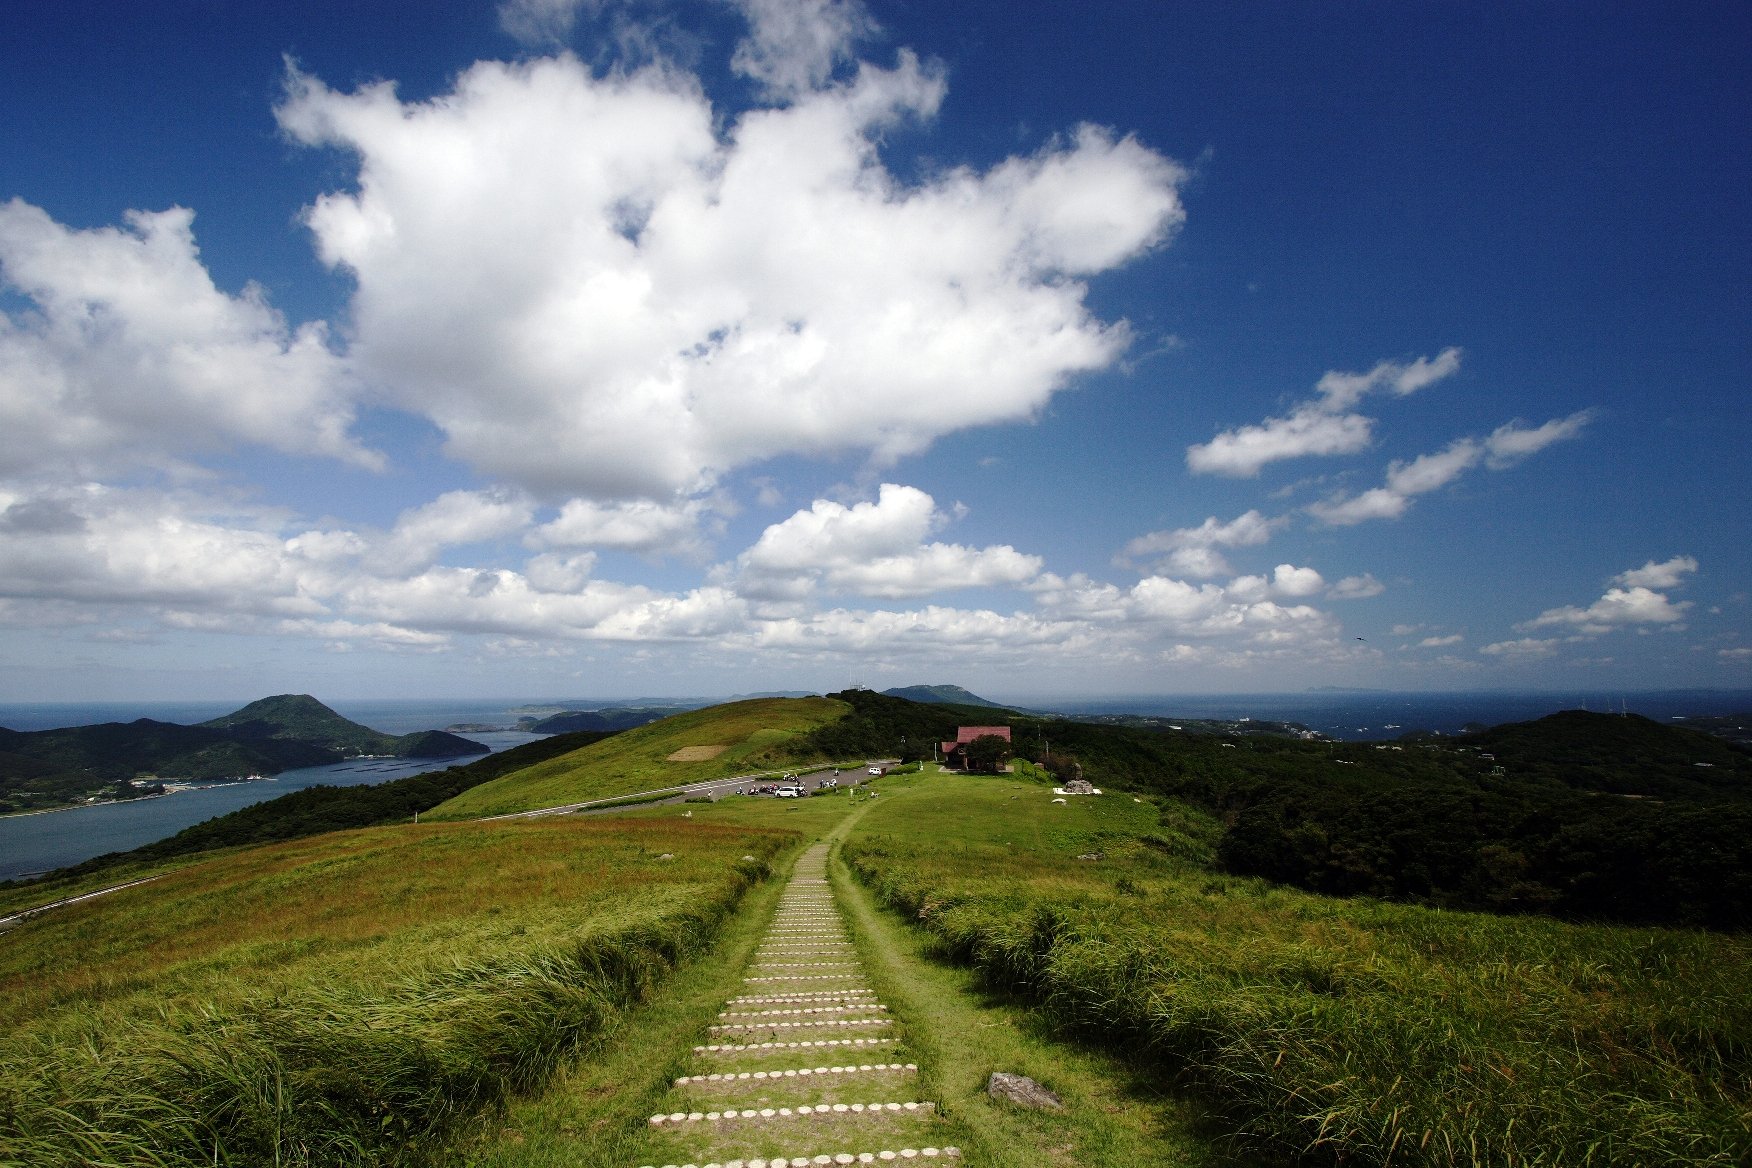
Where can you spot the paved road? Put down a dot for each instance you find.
(715, 789)
(21, 917)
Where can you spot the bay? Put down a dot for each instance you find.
(36, 843)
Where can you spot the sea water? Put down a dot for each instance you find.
(34, 843)
(1368, 715)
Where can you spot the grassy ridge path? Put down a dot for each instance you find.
(803, 1066)
(597, 1115)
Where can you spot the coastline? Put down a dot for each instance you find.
(171, 787)
(95, 803)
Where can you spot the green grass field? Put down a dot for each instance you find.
(357, 997)
(1370, 1032)
(755, 735)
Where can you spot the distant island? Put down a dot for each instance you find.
(602, 718)
(47, 769)
(941, 695)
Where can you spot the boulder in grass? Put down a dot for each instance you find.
(1022, 1091)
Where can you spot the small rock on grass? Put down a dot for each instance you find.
(1022, 1091)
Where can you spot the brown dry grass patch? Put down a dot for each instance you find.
(697, 753)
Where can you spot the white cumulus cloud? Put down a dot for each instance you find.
(1524, 649)
(1667, 574)
(638, 525)
(1192, 550)
(1357, 588)
(130, 356)
(793, 46)
(1325, 425)
(876, 548)
(598, 291)
(1633, 600)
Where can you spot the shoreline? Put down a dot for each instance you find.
(98, 803)
(171, 787)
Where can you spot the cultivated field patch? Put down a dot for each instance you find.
(696, 753)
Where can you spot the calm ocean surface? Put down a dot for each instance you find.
(36, 843)
(1354, 716)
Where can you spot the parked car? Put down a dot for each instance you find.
(876, 770)
(789, 792)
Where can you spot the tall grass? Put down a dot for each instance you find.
(1351, 1030)
(275, 1044)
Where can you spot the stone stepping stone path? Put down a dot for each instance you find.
(803, 1067)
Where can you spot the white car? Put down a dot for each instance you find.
(876, 771)
(789, 792)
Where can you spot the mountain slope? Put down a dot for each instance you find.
(64, 764)
(940, 695)
(55, 768)
(737, 738)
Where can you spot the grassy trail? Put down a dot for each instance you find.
(960, 1034)
(598, 1114)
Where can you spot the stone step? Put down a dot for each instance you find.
(827, 1159)
(820, 1132)
(752, 1106)
(794, 1044)
(794, 1073)
(874, 1108)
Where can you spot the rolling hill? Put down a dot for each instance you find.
(738, 738)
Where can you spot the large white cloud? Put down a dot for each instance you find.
(1247, 609)
(96, 546)
(875, 548)
(1636, 598)
(1618, 607)
(182, 562)
(1325, 425)
(131, 356)
(638, 525)
(594, 294)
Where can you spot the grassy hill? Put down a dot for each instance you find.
(355, 998)
(1619, 754)
(363, 996)
(734, 739)
(1353, 1031)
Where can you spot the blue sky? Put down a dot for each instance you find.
(625, 347)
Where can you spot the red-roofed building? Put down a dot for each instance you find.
(966, 734)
